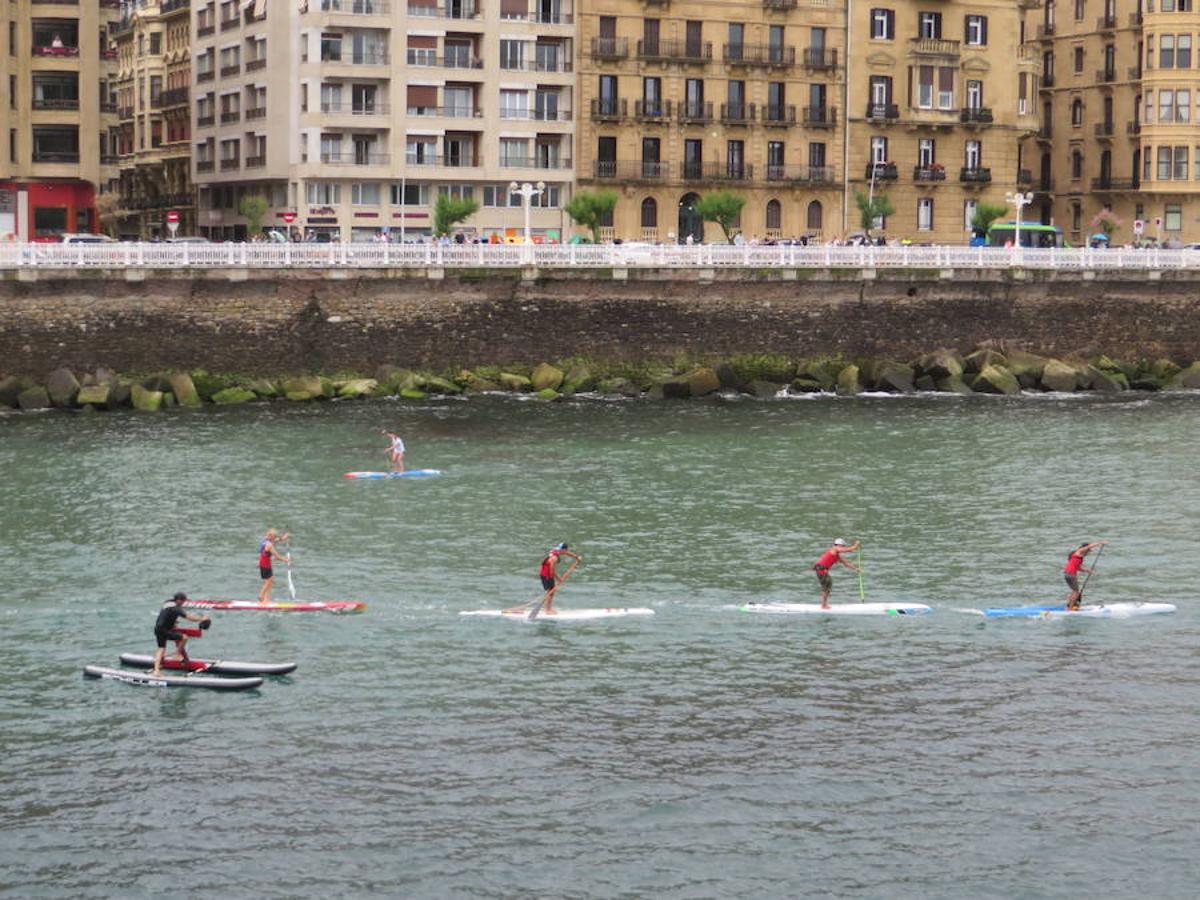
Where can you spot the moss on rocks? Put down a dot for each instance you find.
(145, 399)
(232, 396)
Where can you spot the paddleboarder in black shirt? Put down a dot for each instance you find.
(165, 630)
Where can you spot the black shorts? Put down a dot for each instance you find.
(823, 577)
(547, 583)
(1072, 581)
(161, 637)
(266, 573)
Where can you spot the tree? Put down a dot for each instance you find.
(253, 207)
(722, 207)
(872, 208)
(449, 211)
(107, 205)
(1106, 221)
(589, 209)
(985, 214)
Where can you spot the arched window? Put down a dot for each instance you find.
(1076, 111)
(1076, 164)
(814, 216)
(649, 213)
(774, 215)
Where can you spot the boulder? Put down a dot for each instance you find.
(385, 373)
(36, 397)
(1106, 382)
(1163, 369)
(207, 384)
(760, 388)
(159, 382)
(823, 371)
(772, 367)
(803, 385)
(672, 389)
(435, 384)
(546, 376)
(412, 394)
(578, 380)
(120, 393)
(548, 394)
(11, 387)
(94, 395)
(298, 396)
(1058, 376)
(263, 388)
(184, 389)
(358, 387)
(1025, 367)
(104, 376)
(951, 384)
(145, 399)
(1186, 379)
(847, 381)
(996, 380)
(515, 383)
(304, 384)
(622, 386)
(728, 376)
(975, 362)
(895, 378)
(233, 395)
(941, 363)
(62, 386)
(925, 383)
(476, 383)
(702, 381)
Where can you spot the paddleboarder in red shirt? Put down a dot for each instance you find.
(1072, 569)
(549, 574)
(828, 560)
(266, 554)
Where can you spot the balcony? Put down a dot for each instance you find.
(1024, 177)
(923, 46)
(228, 25)
(228, 164)
(631, 170)
(357, 7)
(467, 161)
(229, 71)
(173, 97)
(169, 6)
(445, 112)
(821, 116)
(119, 27)
(256, 112)
(253, 65)
(715, 171)
(549, 17)
(882, 112)
(107, 107)
(737, 113)
(1133, 129)
(355, 158)
(255, 162)
(780, 5)
(204, 31)
(56, 156)
(55, 52)
(1045, 134)
(553, 66)
(652, 110)
(202, 77)
(1045, 186)
(778, 116)
(610, 48)
(1134, 73)
(1106, 76)
(108, 53)
(976, 115)
(695, 112)
(351, 109)
(1107, 22)
(228, 118)
(974, 175)
(125, 112)
(1104, 183)
(459, 11)
(534, 162)
(820, 58)
(931, 174)
(202, 121)
(363, 58)
(882, 171)
(524, 114)
(608, 109)
(1047, 81)
(1045, 31)
(1135, 19)
(799, 174)
(56, 103)
(675, 51)
(1104, 130)
(770, 55)
(204, 165)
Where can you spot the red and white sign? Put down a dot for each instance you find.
(172, 217)
(289, 217)
(1138, 226)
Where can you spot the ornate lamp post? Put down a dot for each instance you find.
(528, 192)
(1020, 201)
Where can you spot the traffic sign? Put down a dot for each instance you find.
(289, 217)
(172, 216)
(1138, 226)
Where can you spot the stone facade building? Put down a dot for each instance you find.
(55, 115)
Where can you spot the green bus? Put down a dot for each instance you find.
(1033, 234)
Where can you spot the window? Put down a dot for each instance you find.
(512, 54)
(925, 214)
(1183, 105)
(1076, 216)
(1166, 51)
(420, 151)
(155, 42)
(973, 154)
(813, 218)
(413, 194)
(1076, 165)
(366, 194)
(735, 158)
(1164, 163)
(1078, 60)
(649, 213)
(1166, 106)
(883, 24)
(924, 87)
(1146, 164)
(1183, 51)
(929, 25)
(975, 93)
(879, 150)
(457, 191)
(945, 97)
(816, 155)
(975, 31)
(1180, 171)
(323, 194)
(514, 152)
(514, 104)
(926, 156)
(774, 218)
(1173, 217)
(969, 207)
(1076, 112)
(1079, 10)
(775, 157)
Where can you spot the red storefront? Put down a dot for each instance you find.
(44, 210)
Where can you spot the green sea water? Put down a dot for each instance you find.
(702, 752)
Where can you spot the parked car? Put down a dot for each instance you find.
(188, 239)
(70, 238)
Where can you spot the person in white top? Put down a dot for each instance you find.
(396, 450)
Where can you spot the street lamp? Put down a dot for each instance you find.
(1020, 201)
(527, 192)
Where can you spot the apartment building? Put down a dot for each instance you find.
(54, 75)
(152, 42)
(684, 97)
(941, 96)
(1118, 127)
(351, 116)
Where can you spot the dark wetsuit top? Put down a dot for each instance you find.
(168, 616)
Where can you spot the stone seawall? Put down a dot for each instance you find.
(292, 321)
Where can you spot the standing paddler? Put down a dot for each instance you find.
(165, 630)
(549, 574)
(396, 450)
(1072, 569)
(828, 560)
(267, 554)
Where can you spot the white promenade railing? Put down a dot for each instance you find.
(576, 256)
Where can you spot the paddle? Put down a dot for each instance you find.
(1088, 576)
(291, 584)
(533, 614)
(862, 591)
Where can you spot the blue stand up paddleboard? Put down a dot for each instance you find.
(1087, 611)
(410, 473)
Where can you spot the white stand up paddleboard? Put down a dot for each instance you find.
(562, 615)
(146, 679)
(410, 473)
(1087, 611)
(841, 609)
